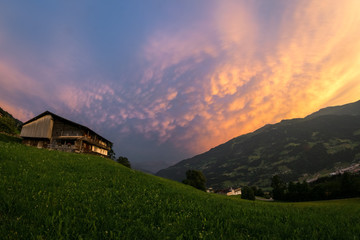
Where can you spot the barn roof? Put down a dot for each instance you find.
(64, 120)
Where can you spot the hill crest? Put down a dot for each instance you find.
(9, 124)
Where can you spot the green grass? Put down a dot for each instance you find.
(55, 195)
(8, 138)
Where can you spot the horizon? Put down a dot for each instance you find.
(166, 81)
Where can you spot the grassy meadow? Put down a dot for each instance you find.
(55, 195)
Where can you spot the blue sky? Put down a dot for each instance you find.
(165, 80)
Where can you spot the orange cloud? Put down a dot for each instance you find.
(313, 63)
(236, 69)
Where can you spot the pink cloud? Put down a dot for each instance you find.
(297, 74)
(229, 73)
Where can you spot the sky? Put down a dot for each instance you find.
(167, 80)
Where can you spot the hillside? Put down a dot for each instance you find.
(56, 195)
(296, 149)
(9, 124)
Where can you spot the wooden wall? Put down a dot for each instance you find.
(40, 128)
(64, 129)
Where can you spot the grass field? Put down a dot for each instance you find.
(56, 195)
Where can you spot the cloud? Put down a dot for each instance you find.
(227, 71)
(17, 87)
(246, 85)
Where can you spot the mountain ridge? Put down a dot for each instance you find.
(298, 149)
(346, 109)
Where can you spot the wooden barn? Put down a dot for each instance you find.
(51, 131)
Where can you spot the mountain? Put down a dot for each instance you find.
(9, 124)
(296, 149)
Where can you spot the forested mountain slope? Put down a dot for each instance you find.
(295, 149)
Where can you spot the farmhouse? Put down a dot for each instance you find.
(232, 192)
(229, 191)
(51, 131)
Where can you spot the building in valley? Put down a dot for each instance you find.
(51, 131)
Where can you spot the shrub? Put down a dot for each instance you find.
(247, 193)
(196, 179)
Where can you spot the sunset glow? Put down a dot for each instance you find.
(165, 81)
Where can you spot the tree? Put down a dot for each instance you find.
(257, 191)
(196, 179)
(112, 154)
(124, 161)
(292, 191)
(278, 187)
(348, 186)
(8, 125)
(303, 191)
(247, 193)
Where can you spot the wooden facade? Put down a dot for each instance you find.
(51, 131)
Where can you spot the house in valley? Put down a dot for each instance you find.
(229, 191)
(236, 191)
(51, 131)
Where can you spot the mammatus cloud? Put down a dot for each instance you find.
(234, 70)
(227, 83)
